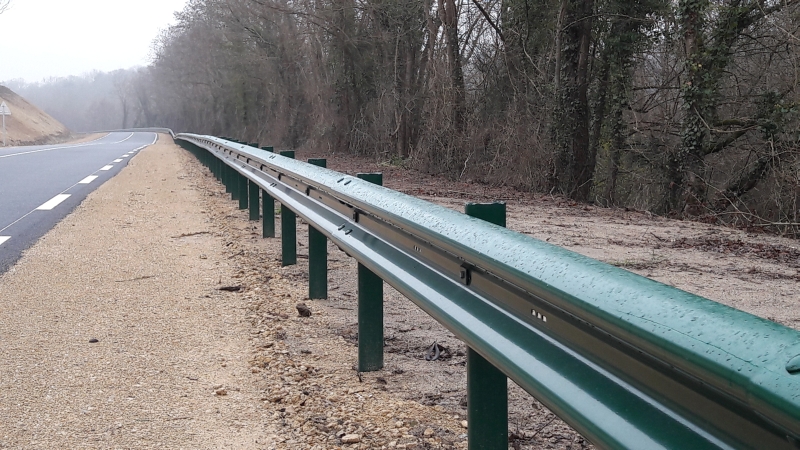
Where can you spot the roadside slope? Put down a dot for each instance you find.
(29, 125)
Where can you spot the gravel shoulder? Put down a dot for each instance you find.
(135, 267)
(180, 363)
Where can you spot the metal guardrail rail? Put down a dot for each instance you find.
(630, 363)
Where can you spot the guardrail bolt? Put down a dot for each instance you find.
(370, 308)
(487, 387)
(317, 255)
(288, 229)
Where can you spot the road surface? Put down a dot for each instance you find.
(39, 185)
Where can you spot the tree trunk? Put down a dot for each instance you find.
(449, 17)
(575, 161)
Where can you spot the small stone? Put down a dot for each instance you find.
(221, 392)
(93, 341)
(428, 432)
(464, 423)
(351, 439)
(303, 310)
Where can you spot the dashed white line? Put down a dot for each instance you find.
(117, 160)
(53, 202)
(88, 179)
(3, 239)
(108, 167)
(125, 156)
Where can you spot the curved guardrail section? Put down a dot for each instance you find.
(628, 362)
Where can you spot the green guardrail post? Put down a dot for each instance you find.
(234, 177)
(243, 191)
(253, 201)
(317, 254)
(370, 308)
(226, 177)
(268, 218)
(487, 387)
(268, 206)
(288, 229)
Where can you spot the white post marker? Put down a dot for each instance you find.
(4, 111)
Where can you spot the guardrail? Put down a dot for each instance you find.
(130, 130)
(630, 363)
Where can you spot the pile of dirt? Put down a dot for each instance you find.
(27, 124)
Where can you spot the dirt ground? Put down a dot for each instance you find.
(29, 125)
(200, 344)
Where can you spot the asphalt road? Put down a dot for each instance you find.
(39, 185)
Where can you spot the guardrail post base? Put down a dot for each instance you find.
(487, 387)
(317, 255)
(288, 229)
(370, 308)
(253, 202)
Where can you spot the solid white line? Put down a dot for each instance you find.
(3, 239)
(123, 139)
(53, 202)
(108, 167)
(88, 179)
(117, 160)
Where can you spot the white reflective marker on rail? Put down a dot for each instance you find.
(53, 202)
(108, 167)
(3, 239)
(88, 179)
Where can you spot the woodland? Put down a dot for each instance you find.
(685, 108)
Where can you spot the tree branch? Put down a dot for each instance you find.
(489, 19)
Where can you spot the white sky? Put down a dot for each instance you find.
(44, 38)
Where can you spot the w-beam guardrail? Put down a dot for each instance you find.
(630, 363)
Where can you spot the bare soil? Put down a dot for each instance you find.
(29, 125)
(200, 344)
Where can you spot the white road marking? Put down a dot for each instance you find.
(123, 139)
(63, 147)
(53, 202)
(125, 156)
(108, 167)
(3, 239)
(117, 160)
(88, 179)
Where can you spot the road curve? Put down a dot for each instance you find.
(39, 185)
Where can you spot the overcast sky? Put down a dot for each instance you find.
(45, 38)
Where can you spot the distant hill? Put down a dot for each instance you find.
(27, 124)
